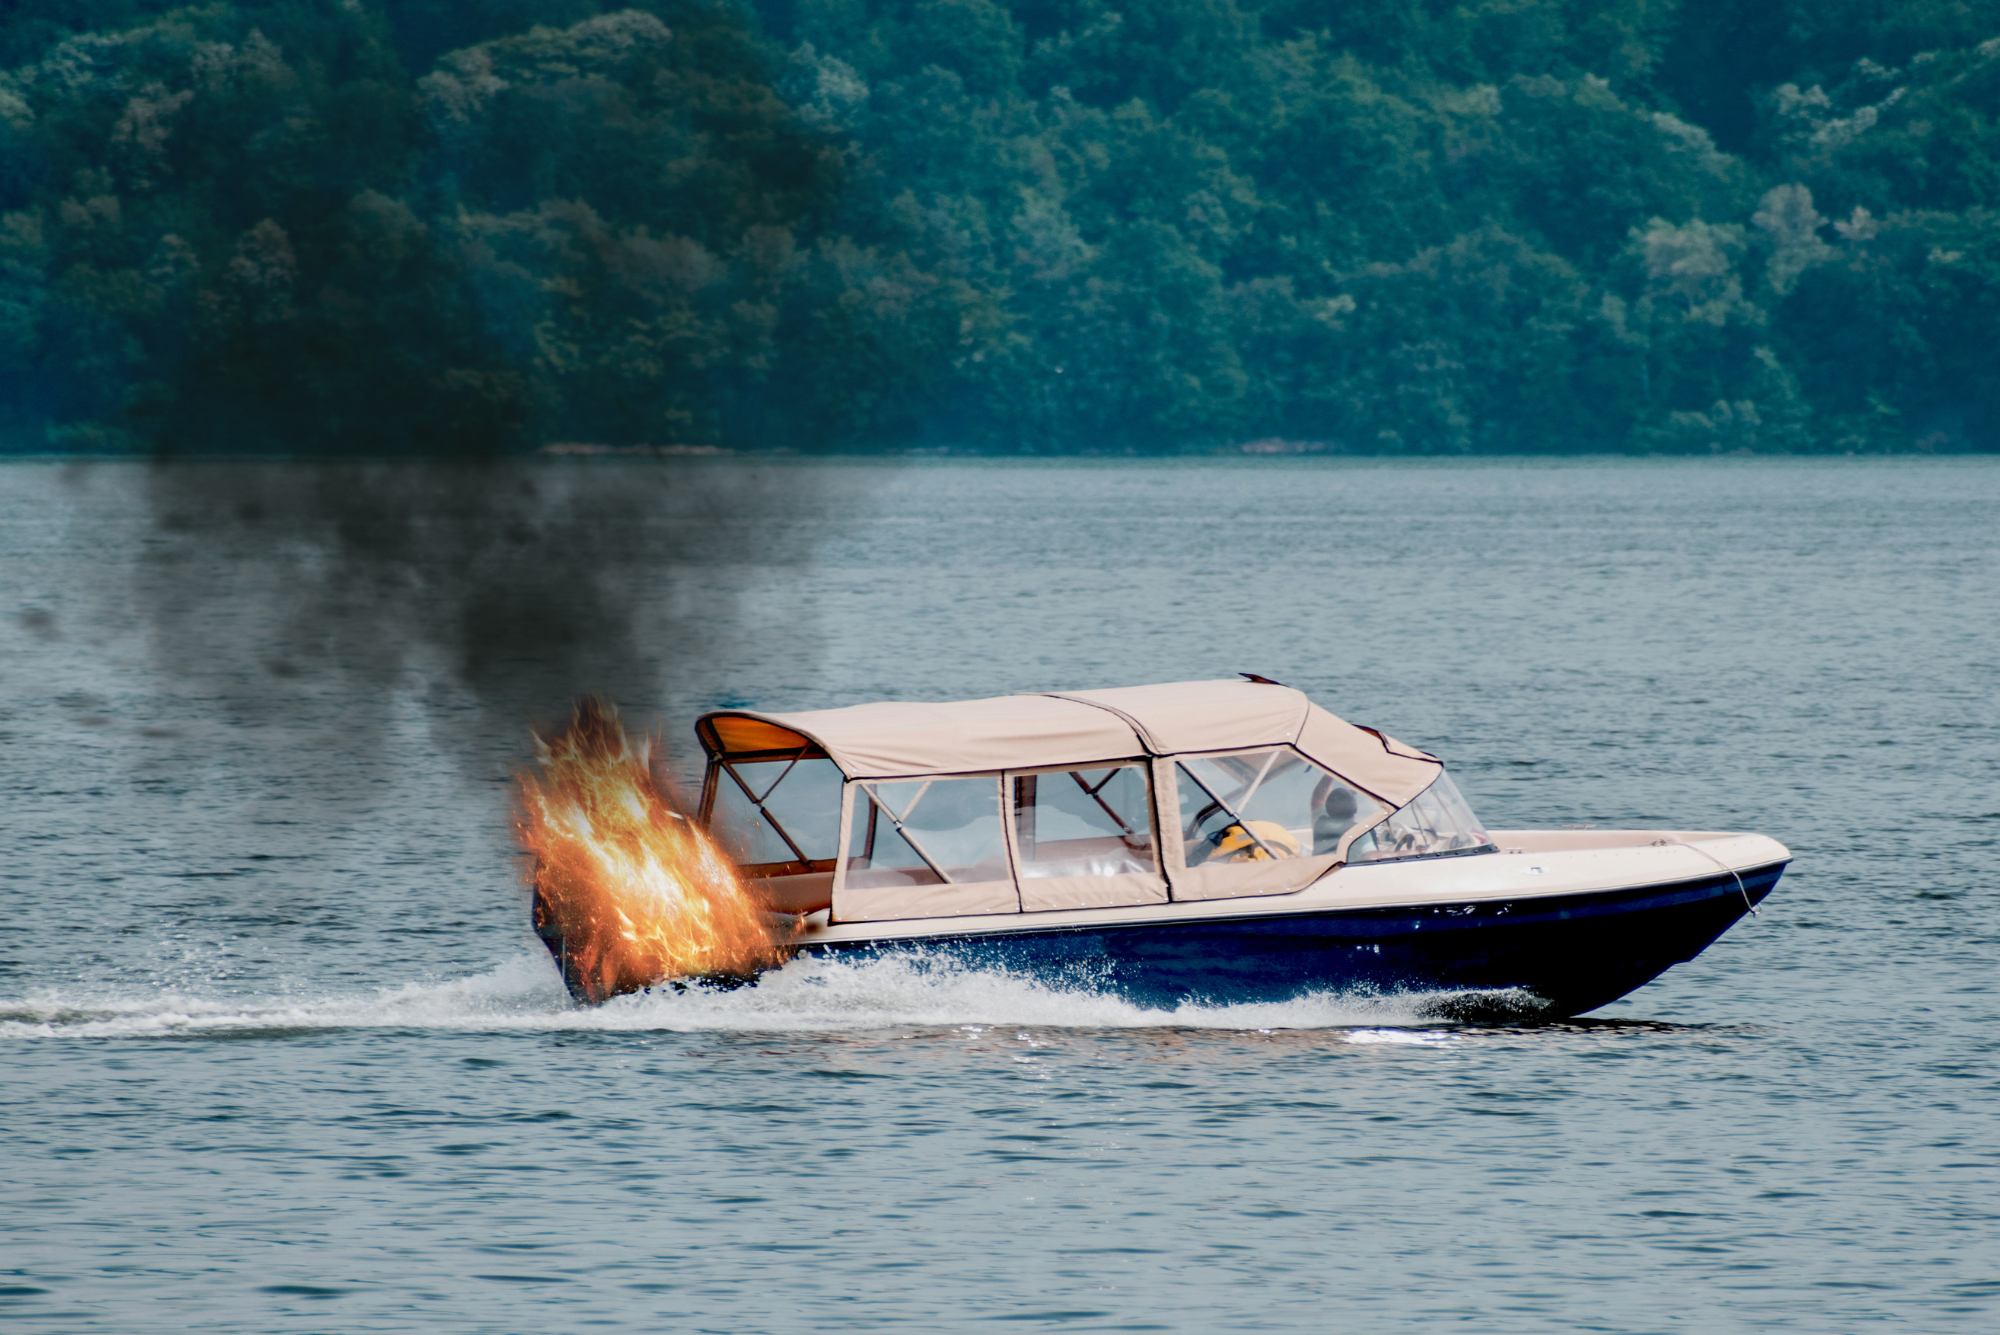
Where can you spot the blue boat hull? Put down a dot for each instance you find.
(1548, 956)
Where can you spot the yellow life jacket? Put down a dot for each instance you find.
(1235, 845)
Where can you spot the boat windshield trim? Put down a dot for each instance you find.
(1422, 857)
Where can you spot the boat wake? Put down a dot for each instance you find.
(806, 996)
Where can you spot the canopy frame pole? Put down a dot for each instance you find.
(762, 810)
(790, 765)
(1258, 782)
(909, 838)
(1241, 823)
(1117, 819)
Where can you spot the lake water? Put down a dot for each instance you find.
(278, 1051)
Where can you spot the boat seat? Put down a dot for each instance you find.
(804, 893)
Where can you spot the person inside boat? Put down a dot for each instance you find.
(1334, 810)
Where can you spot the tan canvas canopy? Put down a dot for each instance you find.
(906, 740)
(1064, 800)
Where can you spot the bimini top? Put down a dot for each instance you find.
(1010, 732)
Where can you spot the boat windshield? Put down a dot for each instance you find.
(1437, 821)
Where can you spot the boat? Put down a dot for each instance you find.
(1208, 842)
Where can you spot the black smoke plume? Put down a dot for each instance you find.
(418, 311)
(491, 590)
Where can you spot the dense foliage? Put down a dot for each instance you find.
(421, 226)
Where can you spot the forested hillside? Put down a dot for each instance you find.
(1034, 226)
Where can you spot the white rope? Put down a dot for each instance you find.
(1725, 866)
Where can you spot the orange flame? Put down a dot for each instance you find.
(628, 892)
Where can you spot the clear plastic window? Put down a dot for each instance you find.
(771, 813)
(1084, 822)
(926, 832)
(1436, 821)
(1261, 805)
